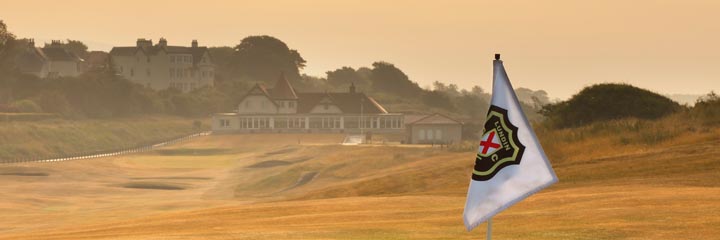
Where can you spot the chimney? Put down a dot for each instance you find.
(55, 43)
(194, 43)
(143, 43)
(162, 42)
(352, 87)
(31, 42)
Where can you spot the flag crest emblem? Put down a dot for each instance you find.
(499, 146)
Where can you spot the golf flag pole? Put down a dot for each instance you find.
(489, 230)
(510, 164)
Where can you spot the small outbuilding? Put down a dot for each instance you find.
(432, 129)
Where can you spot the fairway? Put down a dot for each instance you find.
(293, 186)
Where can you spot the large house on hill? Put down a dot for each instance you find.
(282, 109)
(161, 66)
(51, 61)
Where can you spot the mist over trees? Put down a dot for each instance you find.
(102, 93)
(6, 43)
(262, 58)
(343, 77)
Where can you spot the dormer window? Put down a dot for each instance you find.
(291, 104)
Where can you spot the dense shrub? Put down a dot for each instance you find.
(26, 106)
(707, 109)
(607, 102)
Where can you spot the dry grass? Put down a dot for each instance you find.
(608, 189)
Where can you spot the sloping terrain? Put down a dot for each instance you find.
(311, 187)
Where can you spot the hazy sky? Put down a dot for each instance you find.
(558, 46)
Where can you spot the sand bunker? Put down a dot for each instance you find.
(305, 178)
(173, 177)
(154, 186)
(281, 151)
(25, 174)
(191, 151)
(276, 163)
(270, 163)
(24, 171)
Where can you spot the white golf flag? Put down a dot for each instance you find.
(510, 164)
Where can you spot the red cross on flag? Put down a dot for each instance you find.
(510, 164)
(489, 143)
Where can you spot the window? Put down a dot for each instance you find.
(188, 59)
(224, 123)
(132, 72)
(326, 107)
(172, 59)
(148, 72)
(291, 104)
(121, 69)
(148, 59)
(172, 73)
(429, 134)
(421, 134)
(438, 134)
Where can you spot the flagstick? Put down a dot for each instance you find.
(489, 229)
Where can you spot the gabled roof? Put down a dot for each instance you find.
(258, 89)
(434, 119)
(32, 59)
(124, 51)
(59, 54)
(349, 103)
(196, 52)
(283, 90)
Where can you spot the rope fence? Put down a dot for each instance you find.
(138, 148)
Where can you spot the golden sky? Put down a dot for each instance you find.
(558, 46)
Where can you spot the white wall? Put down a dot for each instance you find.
(63, 68)
(284, 106)
(159, 68)
(320, 108)
(232, 121)
(257, 104)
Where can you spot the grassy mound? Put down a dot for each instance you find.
(609, 101)
(57, 137)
